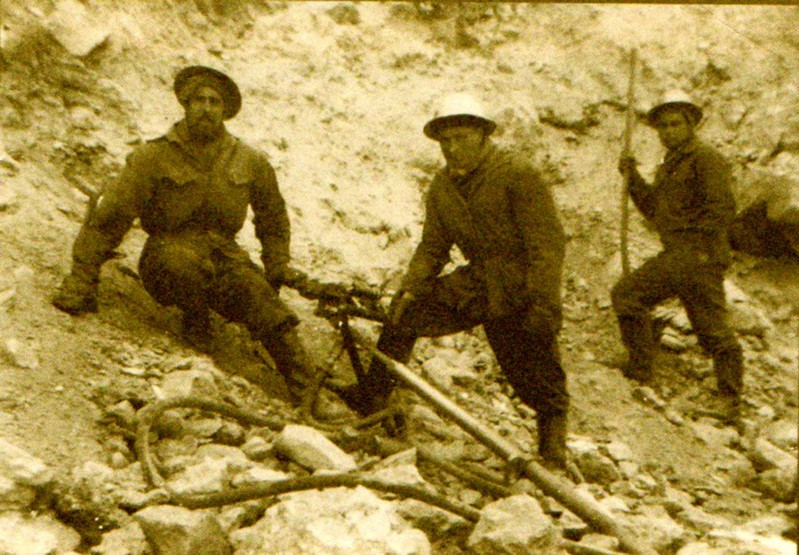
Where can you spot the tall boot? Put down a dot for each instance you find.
(637, 335)
(552, 438)
(293, 363)
(378, 383)
(728, 366)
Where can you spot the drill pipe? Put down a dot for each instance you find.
(581, 504)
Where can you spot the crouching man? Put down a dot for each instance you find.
(495, 207)
(191, 189)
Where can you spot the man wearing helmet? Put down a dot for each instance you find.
(496, 208)
(191, 189)
(691, 206)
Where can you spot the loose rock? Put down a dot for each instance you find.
(309, 448)
(514, 525)
(179, 531)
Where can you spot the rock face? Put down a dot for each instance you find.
(177, 531)
(514, 525)
(336, 521)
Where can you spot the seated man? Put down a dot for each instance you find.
(495, 207)
(691, 206)
(191, 189)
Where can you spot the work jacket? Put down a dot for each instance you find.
(174, 189)
(503, 219)
(690, 203)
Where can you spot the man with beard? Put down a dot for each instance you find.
(691, 206)
(191, 189)
(496, 208)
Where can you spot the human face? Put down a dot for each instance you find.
(205, 114)
(462, 147)
(674, 128)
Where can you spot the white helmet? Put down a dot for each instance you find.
(464, 109)
(678, 98)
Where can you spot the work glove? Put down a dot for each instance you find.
(76, 296)
(288, 276)
(399, 304)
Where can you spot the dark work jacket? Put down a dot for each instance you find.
(503, 219)
(690, 203)
(174, 189)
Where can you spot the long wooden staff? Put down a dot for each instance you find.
(625, 151)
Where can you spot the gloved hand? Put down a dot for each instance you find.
(76, 296)
(289, 276)
(398, 306)
(627, 164)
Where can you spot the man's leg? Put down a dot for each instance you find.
(633, 298)
(526, 348)
(453, 305)
(703, 298)
(178, 272)
(241, 294)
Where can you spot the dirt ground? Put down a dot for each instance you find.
(337, 94)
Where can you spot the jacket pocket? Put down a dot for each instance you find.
(177, 194)
(506, 284)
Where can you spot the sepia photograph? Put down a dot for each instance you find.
(398, 278)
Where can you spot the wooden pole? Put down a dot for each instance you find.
(625, 151)
(581, 504)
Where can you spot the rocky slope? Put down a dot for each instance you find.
(337, 94)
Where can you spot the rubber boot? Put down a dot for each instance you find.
(728, 365)
(636, 333)
(293, 362)
(552, 439)
(378, 383)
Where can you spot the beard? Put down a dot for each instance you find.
(204, 129)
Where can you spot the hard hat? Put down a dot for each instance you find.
(226, 87)
(678, 98)
(460, 108)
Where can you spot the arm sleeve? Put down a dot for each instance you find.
(432, 253)
(641, 194)
(713, 180)
(536, 218)
(110, 218)
(271, 220)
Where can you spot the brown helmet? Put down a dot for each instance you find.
(674, 98)
(225, 85)
(461, 108)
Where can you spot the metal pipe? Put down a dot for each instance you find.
(581, 504)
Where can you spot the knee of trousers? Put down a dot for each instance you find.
(174, 273)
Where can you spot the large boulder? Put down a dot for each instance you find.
(514, 526)
(335, 521)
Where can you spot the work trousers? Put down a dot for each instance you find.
(699, 284)
(199, 271)
(524, 342)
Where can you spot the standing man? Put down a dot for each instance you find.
(691, 206)
(495, 207)
(191, 189)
